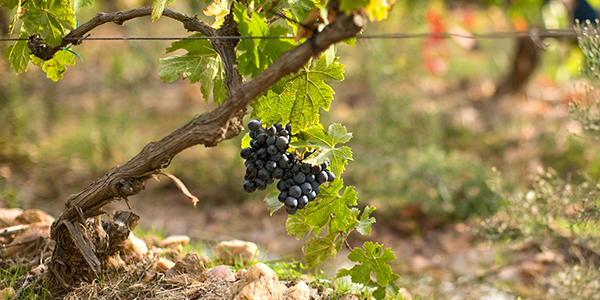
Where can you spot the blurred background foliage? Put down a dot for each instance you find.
(413, 105)
(431, 141)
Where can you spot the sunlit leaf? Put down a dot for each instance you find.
(219, 9)
(158, 6)
(18, 54)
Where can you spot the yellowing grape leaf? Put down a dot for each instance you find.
(219, 9)
(158, 6)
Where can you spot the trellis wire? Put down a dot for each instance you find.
(534, 34)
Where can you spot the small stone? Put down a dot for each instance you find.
(8, 215)
(186, 271)
(240, 274)
(31, 216)
(404, 294)
(149, 276)
(7, 293)
(235, 250)
(28, 242)
(135, 246)
(220, 273)
(174, 241)
(259, 283)
(298, 292)
(164, 264)
(38, 270)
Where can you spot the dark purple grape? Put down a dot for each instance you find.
(292, 157)
(284, 133)
(281, 186)
(264, 174)
(270, 180)
(288, 175)
(315, 185)
(295, 169)
(251, 171)
(247, 163)
(288, 127)
(270, 166)
(246, 177)
(272, 150)
(282, 143)
(306, 188)
(260, 184)
(279, 127)
(271, 140)
(284, 162)
(291, 203)
(271, 130)
(291, 211)
(253, 156)
(316, 169)
(252, 134)
(282, 196)
(295, 191)
(254, 125)
(246, 152)
(289, 183)
(277, 173)
(330, 176)
(299, 178)
(259, 163)
(321, 177)
(311, 196)
(255, 145)
(249, 186)
(317, 189)
(305, 168)
(262, 153)
(302, 201)
(261, 138)
(275, 157)
(310, 177)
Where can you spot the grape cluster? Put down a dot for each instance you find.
(267, 159)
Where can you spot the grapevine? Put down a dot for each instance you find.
(287, 84)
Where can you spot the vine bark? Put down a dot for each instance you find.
(76, 257)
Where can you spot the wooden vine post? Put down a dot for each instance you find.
(84, 244)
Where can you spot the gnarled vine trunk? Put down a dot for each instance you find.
(83, 247)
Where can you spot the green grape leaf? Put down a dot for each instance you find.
(10, 4)
(350, 5)
(371, 260)
(364, 225)
(273, 202)
(304, 92)
(274, 107)
(78, 4)
(246, 141)
(319, 248)
(56, 66)
(333, 208)
(296, 224)
(302, 8)
(158, 6)
(200, 63)
(325, 144)
(49, 19)
(257, 55)
(219, 9)
(18, 54)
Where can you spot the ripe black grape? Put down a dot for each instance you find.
(270, 166)
(302, 201)
(264, 174)
(306, 188)
(249, 186)
(282, 143)
(260, 184)
(251, 171)
(321, 177)
(259, 163)
(310, 177)
(299, 178)
(291, 202)
(254, 125)
(316, 169)
(245, 153)
(281, 186)
(277, 173)
(282, 196)
(330, 176)
(305, 168)
(272, 150)
(311, 196)
(291, 211)
(271, 140)
(295, 191)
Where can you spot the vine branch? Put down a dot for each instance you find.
(210, 128)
